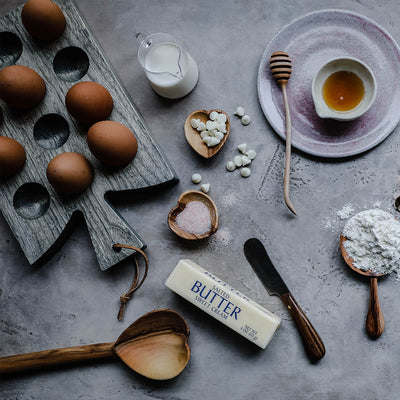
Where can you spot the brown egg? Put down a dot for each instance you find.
(43, 19)
(112, 143)
(12, 156)
(89, 102)
(70, 173)
(21, 87)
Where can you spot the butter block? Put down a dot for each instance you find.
(223, 302)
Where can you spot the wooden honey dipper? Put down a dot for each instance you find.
(281, 68)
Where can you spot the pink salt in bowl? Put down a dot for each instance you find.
(194, 217)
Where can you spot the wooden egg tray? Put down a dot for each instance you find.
(36, 214)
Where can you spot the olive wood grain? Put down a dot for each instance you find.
(193, 136)
(313, 344)
(281, 69)
(375, 323)
(184, 199)
(54, 358)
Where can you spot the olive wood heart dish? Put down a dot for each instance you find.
(184, 199)
(193, 136)
(154, 346)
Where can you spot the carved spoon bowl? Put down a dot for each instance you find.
(154, 346)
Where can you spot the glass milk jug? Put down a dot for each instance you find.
(171, 71)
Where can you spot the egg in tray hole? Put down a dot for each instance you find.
(21, 87)
(89, 102)
(70, 173)
(43, 19)
(12, 157)
(112, 143)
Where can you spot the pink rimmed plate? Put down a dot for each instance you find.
(311, 41)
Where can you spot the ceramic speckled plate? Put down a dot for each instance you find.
(311, 41)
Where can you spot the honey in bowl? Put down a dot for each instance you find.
(343, 90)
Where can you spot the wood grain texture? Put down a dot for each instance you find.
(375, 323)
(193, 136)
(281, 69)
(40, 236)
(184, 199)
(56, 357)
(313, 344)
(163, 323)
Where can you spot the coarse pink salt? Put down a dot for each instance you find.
(195, 218)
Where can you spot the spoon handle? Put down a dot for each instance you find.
(375, 323)
(281, 69)
(56, 357)
(288, 150)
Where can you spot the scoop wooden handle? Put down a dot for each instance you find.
(312, 343)
(281, 69)
(53, 358)
(375, 323)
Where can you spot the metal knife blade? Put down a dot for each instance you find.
(258, 258)
(262, 265)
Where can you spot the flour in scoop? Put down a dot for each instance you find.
(373, 241)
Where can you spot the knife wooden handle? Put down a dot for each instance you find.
(313, 344)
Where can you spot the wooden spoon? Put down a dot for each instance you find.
(184, 199)
(375, 323)
(281, 68)
(154, 346)
(193, 136)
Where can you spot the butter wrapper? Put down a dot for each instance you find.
(223, 302)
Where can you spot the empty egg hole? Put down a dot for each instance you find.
(31, 200)
(10, 49)
(71, 64)
(51, 131)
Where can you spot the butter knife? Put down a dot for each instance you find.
(259, 260)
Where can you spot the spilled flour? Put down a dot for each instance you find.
(346, 212)
(373, 241)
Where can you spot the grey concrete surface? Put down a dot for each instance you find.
(68, 301)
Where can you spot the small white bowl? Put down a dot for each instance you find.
(344, 64)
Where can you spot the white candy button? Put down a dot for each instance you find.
(238, 161)
(245, 161)
(245, 172)
(195, 123)
(201, 127)
(245, 119)
(213, 115)
(251, 154)
(221, 118)
(230, 166)
(242, 148)
(239, 112)
(196, 178)
(205, 187)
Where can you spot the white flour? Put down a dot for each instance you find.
(373, 241)
(345, 212)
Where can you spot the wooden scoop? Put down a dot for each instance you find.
(281, 68)
(154, 346)
(375, 323)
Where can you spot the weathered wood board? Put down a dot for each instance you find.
(36, 214)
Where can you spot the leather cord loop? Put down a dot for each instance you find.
(136, 282)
